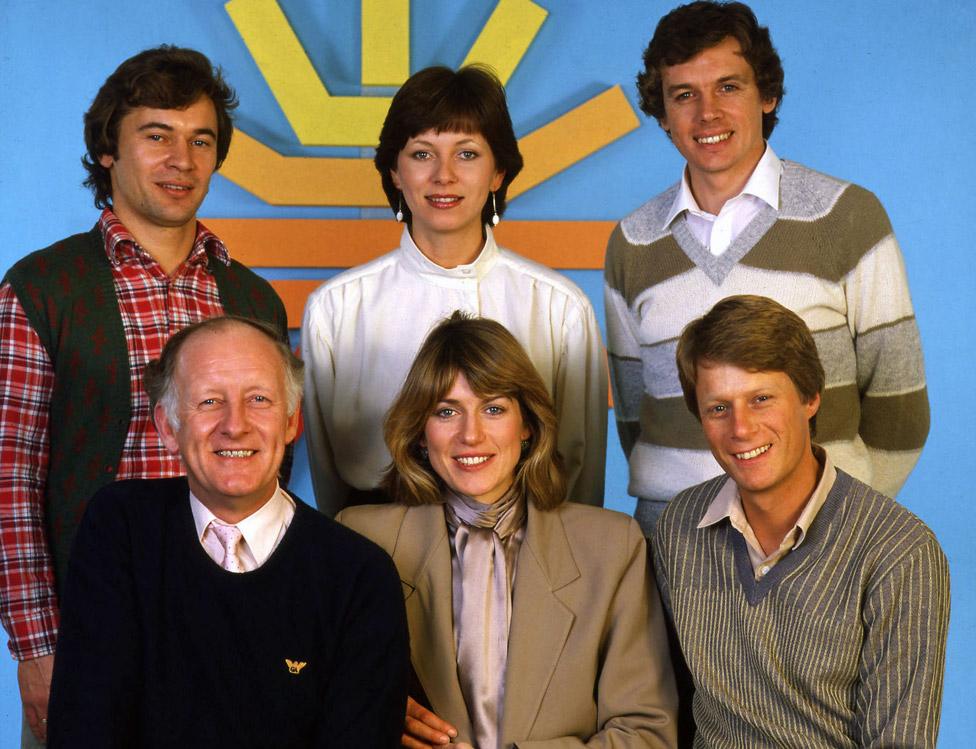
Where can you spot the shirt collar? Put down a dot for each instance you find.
(763, 183)
(260, 529)
(728, 504)
(416, 260)
(120, 245)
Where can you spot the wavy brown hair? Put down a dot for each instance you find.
(165, 77)
(693, 28)
(494, 364)
(753, 333)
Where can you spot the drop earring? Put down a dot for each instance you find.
(399, 210)
(494, 211)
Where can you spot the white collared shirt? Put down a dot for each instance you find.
(717, 232)
(262, 530)
(728, 504)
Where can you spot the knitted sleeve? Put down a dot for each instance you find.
(899, 691)
(623, 345)
(97, 672)
(890, 371)
(365, 701)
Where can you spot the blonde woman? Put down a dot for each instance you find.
(533, 621)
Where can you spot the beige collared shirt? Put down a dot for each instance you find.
(728, 504)
(262, 530)
(717, 231)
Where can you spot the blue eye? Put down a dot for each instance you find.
(468, 155)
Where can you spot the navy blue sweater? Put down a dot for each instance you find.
(160, 647)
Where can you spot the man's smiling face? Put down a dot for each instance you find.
(757, 427)
(714, 114)
(232, 409)
(165, 160)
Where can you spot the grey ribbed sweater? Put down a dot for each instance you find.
(842, 644)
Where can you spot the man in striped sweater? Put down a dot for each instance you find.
(810, 609)
(743, 221)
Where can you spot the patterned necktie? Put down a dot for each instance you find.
(230, 538)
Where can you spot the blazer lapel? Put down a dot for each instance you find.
(541, 622)
(423, 556)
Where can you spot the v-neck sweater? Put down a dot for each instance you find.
(841, 644)
(830, 255)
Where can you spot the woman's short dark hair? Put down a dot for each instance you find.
(690, 29)
(754, 333)
(494, 364)
(164, 77)
(470, 100)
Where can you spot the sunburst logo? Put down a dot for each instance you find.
(319, 118)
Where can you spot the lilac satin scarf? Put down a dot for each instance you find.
(485, 545)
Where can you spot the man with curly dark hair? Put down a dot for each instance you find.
(80, 319)
(740, 220)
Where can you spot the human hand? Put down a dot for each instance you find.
(34, 679)
(422, 729)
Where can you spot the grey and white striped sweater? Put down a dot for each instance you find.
(842, 644)
(828, 254)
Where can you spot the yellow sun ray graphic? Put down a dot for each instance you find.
(321, 119)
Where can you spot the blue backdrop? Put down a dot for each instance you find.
(877, 92)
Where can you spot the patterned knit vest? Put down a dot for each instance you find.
(68, 295)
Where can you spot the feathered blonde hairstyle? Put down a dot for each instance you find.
(494, 364)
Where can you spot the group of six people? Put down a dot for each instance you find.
(455, 406)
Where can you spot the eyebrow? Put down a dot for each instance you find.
(484, 399)
(724, 79)
(169, 128)
(428, 144)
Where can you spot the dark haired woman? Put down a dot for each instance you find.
(446, 156)
(532, 620)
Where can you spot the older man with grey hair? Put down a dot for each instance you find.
(215, 609)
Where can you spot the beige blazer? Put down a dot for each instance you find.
(588, 660)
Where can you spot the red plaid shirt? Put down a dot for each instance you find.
(153, 307)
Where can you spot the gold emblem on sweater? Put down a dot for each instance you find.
(295, 666)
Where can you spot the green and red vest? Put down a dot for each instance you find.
(68, 295)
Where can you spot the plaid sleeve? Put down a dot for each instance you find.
(28, 601)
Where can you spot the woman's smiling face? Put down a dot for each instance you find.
(474, 441)
(445, 178)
